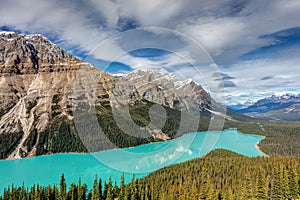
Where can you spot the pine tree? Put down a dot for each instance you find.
(134, 189)
(127, 194)
(49, 193)
(109, 194)
(100, 189)
(243, 193)
(147, 193)
(194, 192)
(248, 186)
(22, 193)
(73, 192)
(63, 189)
(81, 191)
(229, 194)
(277, 189)
(116, 190)
(261, 186)
(285, 184)
(180, 191)
(203, 183)
(293, 182)
(122, 188)
(209, 192)
(95, 191)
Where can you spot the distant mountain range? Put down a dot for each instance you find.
(41, 87)
(240, 106)
(284, 107)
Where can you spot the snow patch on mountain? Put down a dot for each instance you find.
(180, 84)
(157, 75)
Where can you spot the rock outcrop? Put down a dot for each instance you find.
(162, 87)
(37, 83)
(41, 85)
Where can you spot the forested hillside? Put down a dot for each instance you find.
(280, 139)
(219, 175)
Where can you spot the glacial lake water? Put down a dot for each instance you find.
(140, 160)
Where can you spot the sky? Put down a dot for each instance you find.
(250, 47)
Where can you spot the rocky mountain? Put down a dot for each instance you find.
(289, 114)
(240, 106)
(51, 101)
(36, 86)
(162, 87)
(275, 102)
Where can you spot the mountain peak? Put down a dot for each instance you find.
(34, 53)
(281, 95)
(158, 73)
(275, 102)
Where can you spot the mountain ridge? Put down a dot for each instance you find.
(274, 102)
(42, 86)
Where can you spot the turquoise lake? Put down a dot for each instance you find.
(140, 160)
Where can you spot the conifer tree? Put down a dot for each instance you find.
(285, 184)
(261, 185)
(109, 194)
(116, 190)
(293, 182)
(127, 194)
(277, 189)
(194, 192)
(122, 188)
(81, 190)
(134, 189)
(73, 192)
(63, 189)
(229, 194)
(100, 188)
(95, 191)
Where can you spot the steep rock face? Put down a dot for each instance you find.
(164, 88)
(37, 83)
(41, 86)
(26, 54)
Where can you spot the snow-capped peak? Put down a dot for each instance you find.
(283, 95)
(36, 36)
(7, 35)
(119, 74)
(11, 35)
(179, 84)
(158, 73)
(6, 32)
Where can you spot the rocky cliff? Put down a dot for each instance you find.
(42, 88)
(162, 87)
(37, 82)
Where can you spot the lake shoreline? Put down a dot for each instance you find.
(257, 147)
(112, 163)
(91, 153)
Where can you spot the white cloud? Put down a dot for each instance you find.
(231, 36)
(225, 32)
(151, 13)
(67, 22)
(215, 34)
(227, 29)
(282, 75)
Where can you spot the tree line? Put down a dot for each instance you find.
(219, 175)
